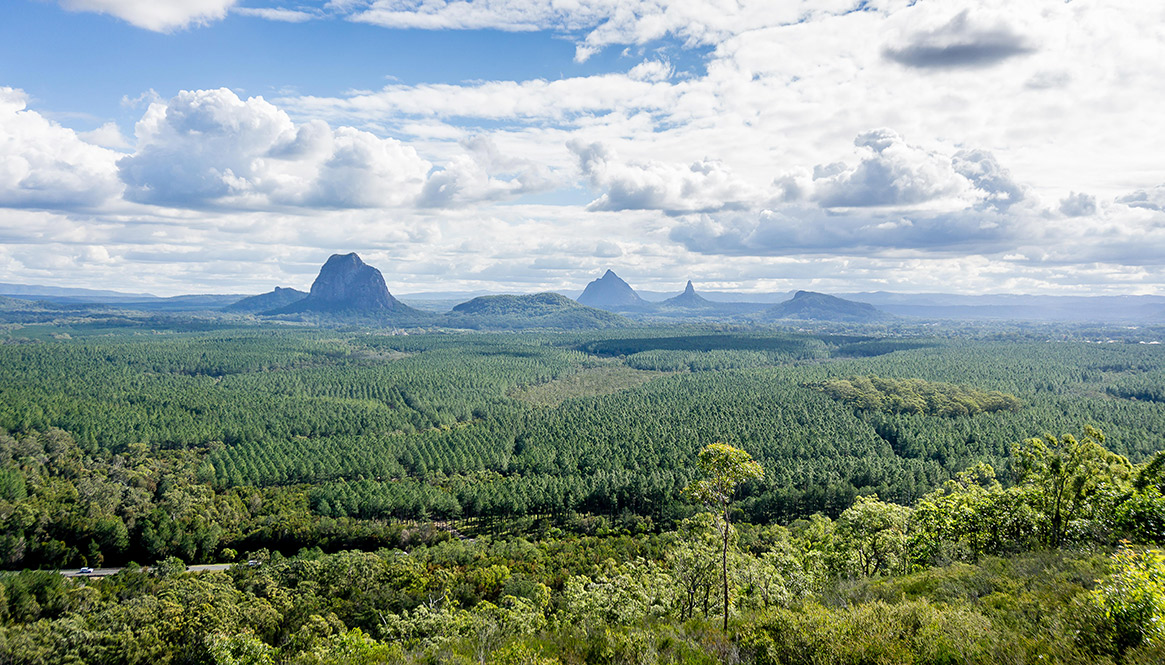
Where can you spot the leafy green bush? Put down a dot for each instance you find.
(1131, 601)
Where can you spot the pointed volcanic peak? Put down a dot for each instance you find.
(689, 299)
(347, 285)
(611, 293)
(807, 305)
(264, 302)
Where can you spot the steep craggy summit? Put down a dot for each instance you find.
(347, 284)
(610, 292)
(689, 299)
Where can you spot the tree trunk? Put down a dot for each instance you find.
(724, 568)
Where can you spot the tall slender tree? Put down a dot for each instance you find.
(724, 467)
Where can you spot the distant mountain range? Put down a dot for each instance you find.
(142, 301)
(54, 292)
(611, 293)
(1004, 307)
(347, 288)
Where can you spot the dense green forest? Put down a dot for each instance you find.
(373, 429)
(535, 480)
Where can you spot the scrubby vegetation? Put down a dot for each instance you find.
(962, 576)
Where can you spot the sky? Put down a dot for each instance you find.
(231, 146)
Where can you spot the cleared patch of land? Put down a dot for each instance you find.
(588, 382)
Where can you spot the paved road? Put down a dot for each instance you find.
(103, 572)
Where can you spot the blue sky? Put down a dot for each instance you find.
(976, 146)
(72, 61)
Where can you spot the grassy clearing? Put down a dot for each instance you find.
(587, 382)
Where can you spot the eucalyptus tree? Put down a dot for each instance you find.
(724, 468)
(1073, 476)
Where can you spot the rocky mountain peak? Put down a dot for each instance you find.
(689, 299)
(346, 283)
(610, 292)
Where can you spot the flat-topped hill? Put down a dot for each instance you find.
(809, 305)
(539, 310)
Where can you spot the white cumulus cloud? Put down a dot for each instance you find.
(702, 186)
(211, 148)
(107, 135)
(897, 197)
(893, 173)
(991, 180)
(1147, 199)
(43, 164)
(1078, 204)
(484, 173)
(156, 15)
